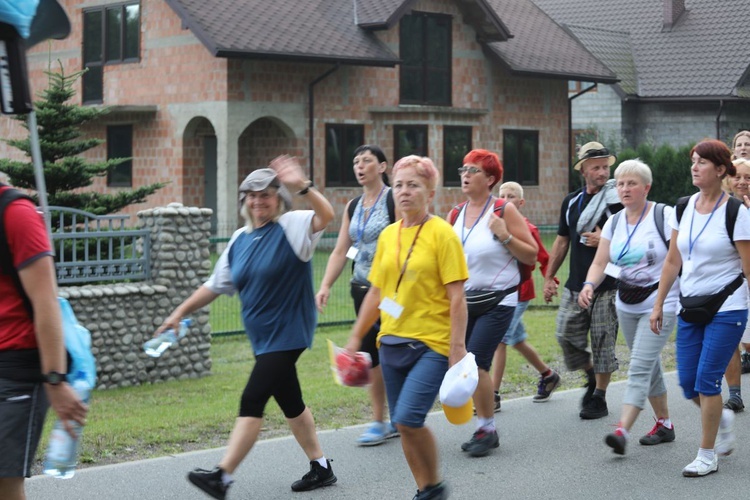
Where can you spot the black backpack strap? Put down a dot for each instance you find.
(733, 208)
(659, 220)
(616, 219)
(352, 207)
(391, 205)
(6, 260)
(680, 206)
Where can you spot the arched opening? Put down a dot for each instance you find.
(199, 187)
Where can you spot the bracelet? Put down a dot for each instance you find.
(593, 285)
(506, 241)
(303, 192)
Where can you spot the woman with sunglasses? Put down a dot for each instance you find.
(494, 236)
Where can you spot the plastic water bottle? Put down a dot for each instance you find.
(156, 346)
(62, 453)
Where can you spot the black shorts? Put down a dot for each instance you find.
(23, 406)
(369, 342)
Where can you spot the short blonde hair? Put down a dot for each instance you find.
(424, 166)
(635, 167)
(513, 187)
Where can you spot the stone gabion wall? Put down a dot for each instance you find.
(121, 317)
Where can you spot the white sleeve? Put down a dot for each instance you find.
(221, 279)
(668, 211)
(742, 226)
(297, 226)
(607, 232)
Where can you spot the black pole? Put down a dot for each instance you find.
(311, 117)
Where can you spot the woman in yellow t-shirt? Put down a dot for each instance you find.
(417, 277)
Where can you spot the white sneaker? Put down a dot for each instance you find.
(701, 467)
(725, 437)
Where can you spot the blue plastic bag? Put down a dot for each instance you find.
(19, 14)
(78, 344)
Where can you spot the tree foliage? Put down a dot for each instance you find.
(670, 168)
(61, 142)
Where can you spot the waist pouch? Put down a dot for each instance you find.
(631, 294)
(479, 302)
(358, 291)
(21, 365)
(701, 309)
(401, 356)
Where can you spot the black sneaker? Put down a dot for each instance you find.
(435, 492)
(209, 481)
(745, 357)
(617, 442)
(735, 404)
(596, 408)
(659, 434)
(590, 388)
(317, 477)
(546, 387)
(481, 443)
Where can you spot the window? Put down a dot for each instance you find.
(409, 140)
(521, 156)
(120, 145)
(456, 143)
(111, 35)
(341, 141)
(574, 86)
(425, 45)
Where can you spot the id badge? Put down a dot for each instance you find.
(390, 306)
(612, 270)
(687, 267)
(352, 253)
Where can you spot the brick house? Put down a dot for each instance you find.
(204, 91)
(683, 65)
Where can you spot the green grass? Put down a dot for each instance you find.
(175, 417)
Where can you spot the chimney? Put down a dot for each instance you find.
(673, 9)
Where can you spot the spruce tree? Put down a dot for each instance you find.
(59, 124)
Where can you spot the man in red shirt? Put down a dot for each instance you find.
(32, 349)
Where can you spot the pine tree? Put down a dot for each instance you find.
(61, 143)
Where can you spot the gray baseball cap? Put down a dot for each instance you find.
(261, 179)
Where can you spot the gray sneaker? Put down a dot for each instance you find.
(546, 387)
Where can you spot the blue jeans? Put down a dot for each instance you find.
(517, 331)
(704, 351)
(412, 389)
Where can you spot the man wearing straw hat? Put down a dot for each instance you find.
(582, 216)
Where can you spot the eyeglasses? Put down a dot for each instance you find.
(470, 170)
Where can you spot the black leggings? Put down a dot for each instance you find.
(369, 344)
(274, 374)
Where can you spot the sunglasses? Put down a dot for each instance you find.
(470, 170)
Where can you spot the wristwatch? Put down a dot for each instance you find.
(55, 378)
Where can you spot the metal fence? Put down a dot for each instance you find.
(94, 249)
(225, 314)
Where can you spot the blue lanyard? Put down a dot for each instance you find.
(691, 241)
(360, 225)
(463, 226)
(630, 235)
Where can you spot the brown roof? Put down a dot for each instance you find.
(526, 40)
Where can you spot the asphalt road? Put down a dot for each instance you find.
(546, 452)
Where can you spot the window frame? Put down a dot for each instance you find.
(426, 70)
(112, 129)
(522, 134)
(397, 153)
(449, 181)
(97, 65)
(345, 152)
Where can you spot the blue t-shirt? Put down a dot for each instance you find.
(274, 282)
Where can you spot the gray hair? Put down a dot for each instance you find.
(635, 167)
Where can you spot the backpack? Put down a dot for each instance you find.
(733, 208)
(499, 209)
(389, 203)
(658, 219)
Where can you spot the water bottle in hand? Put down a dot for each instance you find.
(156, 346)
(62, 452)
